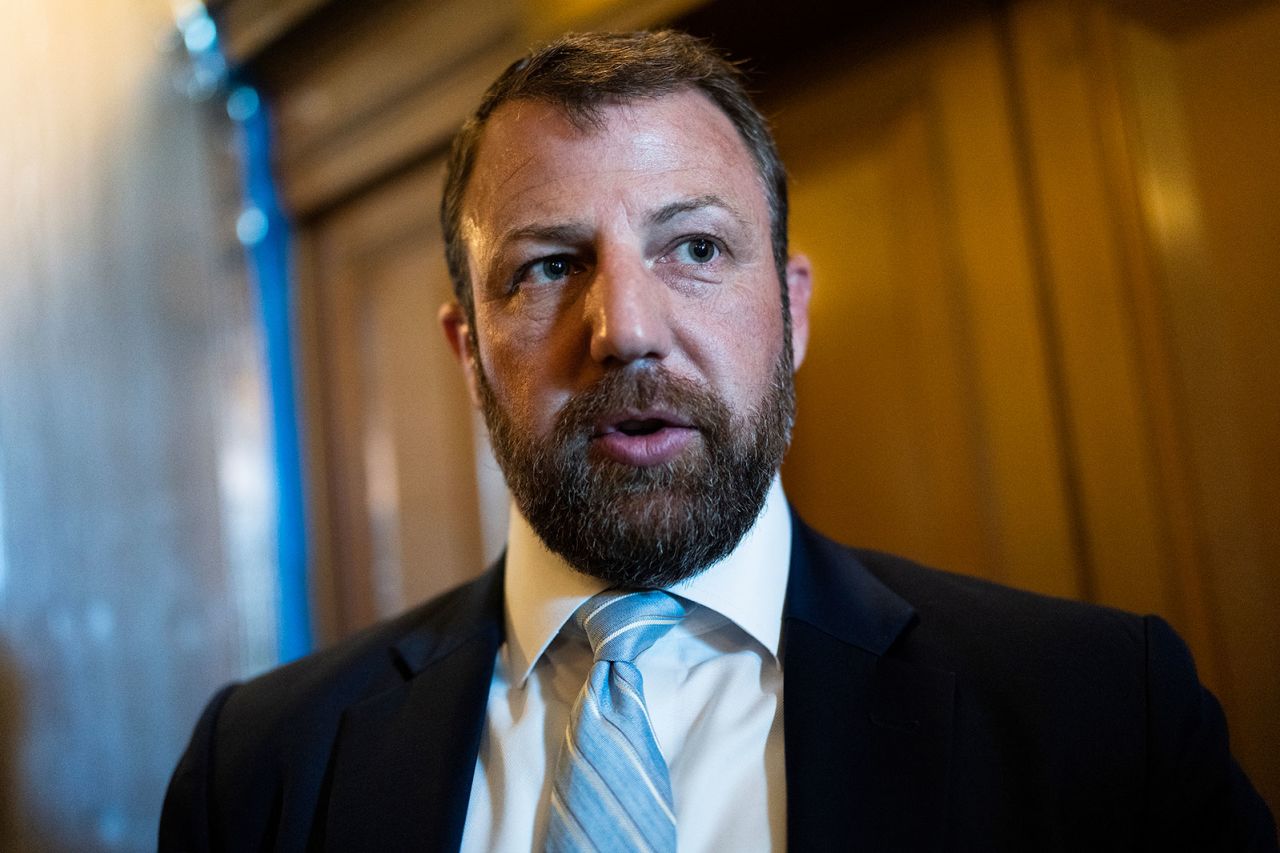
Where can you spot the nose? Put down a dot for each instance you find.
(629, 311)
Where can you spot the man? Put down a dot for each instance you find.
(628, 319)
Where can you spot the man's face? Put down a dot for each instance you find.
(629, 352)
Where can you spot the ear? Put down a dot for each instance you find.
(457, 331)
(799, 289)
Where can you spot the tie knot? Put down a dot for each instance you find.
(620, 625)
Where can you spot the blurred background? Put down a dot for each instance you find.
(1044, 333)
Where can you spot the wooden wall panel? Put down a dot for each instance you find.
(400, 478)
(1126, 546)
(246, 28)
(926, 425)
(1063, 213)
(1206, 131)
(393, 86)
(429, 539)
(1149, 169)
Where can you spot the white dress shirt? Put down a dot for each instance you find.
(713, 686)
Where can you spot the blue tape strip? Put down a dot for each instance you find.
(265, 232)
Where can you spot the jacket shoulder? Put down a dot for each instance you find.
(971, 614)
(381, 655)
(1006, 646)
(274, 733)
(1100, 706)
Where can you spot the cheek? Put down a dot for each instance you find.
(522, 377)
(740, 347)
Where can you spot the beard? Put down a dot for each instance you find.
(645, 526)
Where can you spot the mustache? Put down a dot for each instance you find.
(651, 387)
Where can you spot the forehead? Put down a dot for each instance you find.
(534, 163)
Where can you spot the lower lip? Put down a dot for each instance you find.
(656, 448)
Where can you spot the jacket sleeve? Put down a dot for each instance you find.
(1198, 797)
(185, 821)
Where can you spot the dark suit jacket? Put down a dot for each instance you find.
(923, 711)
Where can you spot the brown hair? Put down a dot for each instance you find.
(580, 73)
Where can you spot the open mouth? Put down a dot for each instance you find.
(635, 423)
(642, 426)
(643, 438)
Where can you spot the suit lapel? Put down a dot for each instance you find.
(868, 734)
(401, 771)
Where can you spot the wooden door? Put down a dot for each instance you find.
(1043, 336)
(927, 424)
(1159, 223)
(404, 469)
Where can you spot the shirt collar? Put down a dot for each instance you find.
(748, 586)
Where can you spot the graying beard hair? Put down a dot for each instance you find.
(692, 512)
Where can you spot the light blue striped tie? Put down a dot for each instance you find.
(611, 790)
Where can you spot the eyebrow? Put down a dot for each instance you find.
(570, 232)
(576, 232)
(668, 212)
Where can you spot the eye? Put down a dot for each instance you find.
(697, 250)
(553, 268)
(546, 270)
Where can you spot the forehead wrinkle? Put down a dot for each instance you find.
(512, 206)
(508, 185)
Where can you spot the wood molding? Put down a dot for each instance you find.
(248, 28)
